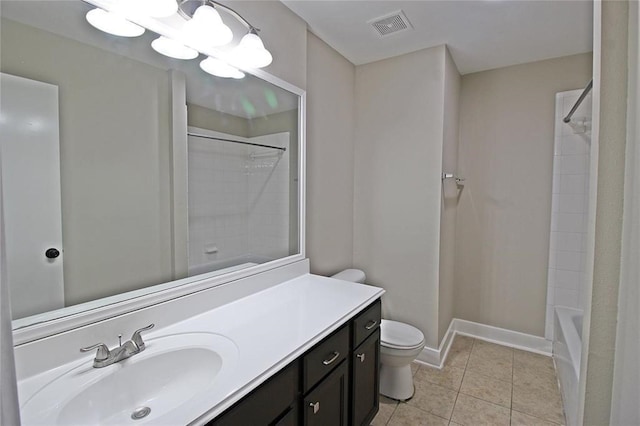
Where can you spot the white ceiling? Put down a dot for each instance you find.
(480, 34)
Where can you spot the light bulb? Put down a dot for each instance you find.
(207, 29)
(220, 68)
(172, 48)
(251, 53)
(113, 23)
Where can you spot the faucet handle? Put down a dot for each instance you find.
(103, 351)
(137, 338)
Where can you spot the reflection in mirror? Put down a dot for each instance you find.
(112, 186)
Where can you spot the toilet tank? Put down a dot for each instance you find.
(353, 275)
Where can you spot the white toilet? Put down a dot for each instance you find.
(400, 344)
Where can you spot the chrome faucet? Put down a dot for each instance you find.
(105, 356)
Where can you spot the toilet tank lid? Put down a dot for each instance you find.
(353, 275)
(400, 334)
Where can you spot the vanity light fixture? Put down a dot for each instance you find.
(220, 68)
(203, 29)
(113, 23)
(250, 52)
(206, 28)
(172, 48)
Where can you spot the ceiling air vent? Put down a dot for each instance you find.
(392, 23)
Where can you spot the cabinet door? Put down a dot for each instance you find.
(327, 403)
(365, 382)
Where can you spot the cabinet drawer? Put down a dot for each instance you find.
(366, 323)
(267, 403)
(322, 359)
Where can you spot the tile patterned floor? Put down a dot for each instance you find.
(481, 384)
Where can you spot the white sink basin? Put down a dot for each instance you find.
(168, 373)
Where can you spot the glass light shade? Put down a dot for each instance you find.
(251, 53)
(220, 68)
(112, 23)
(207, 29)
(174, 49)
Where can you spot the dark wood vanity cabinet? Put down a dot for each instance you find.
(365, 380)
(335, 383)
(327, 403)
(273, 402)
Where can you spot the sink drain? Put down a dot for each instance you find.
(140, 413)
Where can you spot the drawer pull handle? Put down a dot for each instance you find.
(371, 324)
(315, 406)
(361, 357)
(335, 356)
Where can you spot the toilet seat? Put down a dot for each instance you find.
(398, 335)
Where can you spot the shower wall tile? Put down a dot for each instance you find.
(568, 261)
(568, 298)
(237, 203)
(570, 203)
(573, 164)
(569, 222)
(568, 241)
(566, 277)
(572, 184)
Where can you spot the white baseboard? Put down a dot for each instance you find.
(502, 336)
(526, 342)
(436, 357)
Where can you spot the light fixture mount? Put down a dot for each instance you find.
(187, 8)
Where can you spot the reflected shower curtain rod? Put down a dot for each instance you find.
(198, 135)
(584, 94)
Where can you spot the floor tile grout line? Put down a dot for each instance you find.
(463, 374)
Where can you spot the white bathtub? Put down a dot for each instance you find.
(567, 349)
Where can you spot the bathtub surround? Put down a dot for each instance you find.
(506, 151)
(567, 351)
(400, 133)
(238, 201)
(566, 279)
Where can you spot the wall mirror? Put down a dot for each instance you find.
(127, 173)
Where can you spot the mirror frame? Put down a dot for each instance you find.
(47, 324)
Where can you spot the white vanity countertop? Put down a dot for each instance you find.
(270, 328)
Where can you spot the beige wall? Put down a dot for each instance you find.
(330, 145)
(503, 221)
(398, 162)
(450, 193)
(610, 78)
(114, 153)
(206, 118)
(626, 379)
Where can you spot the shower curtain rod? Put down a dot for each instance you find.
(584, 94)
(198, 135)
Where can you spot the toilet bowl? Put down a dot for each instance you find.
(400, 344)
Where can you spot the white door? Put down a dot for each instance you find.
(29, 140)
